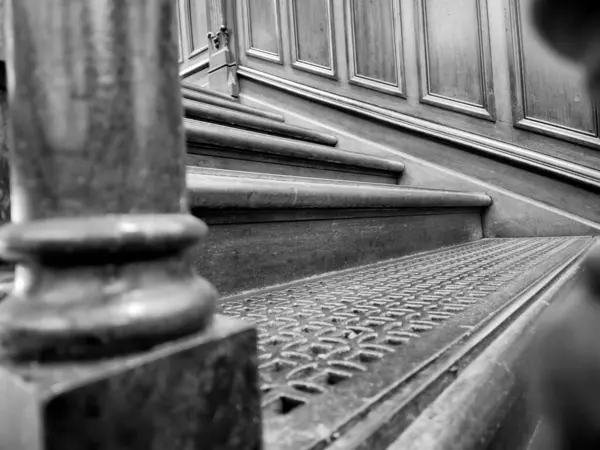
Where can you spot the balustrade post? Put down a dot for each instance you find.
(222, 71)
(109, 339)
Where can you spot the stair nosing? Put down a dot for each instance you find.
(217, 191)
(212, 135)
(203, 90)
(222, 116)
(235, 106)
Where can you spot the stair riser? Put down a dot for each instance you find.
(263, 163)
(235, 119)
(216, 101)
(252, 250)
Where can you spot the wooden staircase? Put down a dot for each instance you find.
(371, 298)
(360, 308)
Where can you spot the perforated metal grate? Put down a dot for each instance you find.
(355, 332)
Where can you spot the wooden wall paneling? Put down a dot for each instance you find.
(179, 31)
(262, 29)
(455, 64)
(549, 95)
(192, 23)
(375, 45)
(197, 24)
(313, 36)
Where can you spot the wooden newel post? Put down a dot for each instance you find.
(222, 71)
(109, 339)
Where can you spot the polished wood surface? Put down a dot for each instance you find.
(234, 119)
(313, 47)
(215, 100)
(527, 201)
(374, 37)
(262, 28)
(549, 95)
(455, 57)
(193, 42)
(98, 180)
(475, 66)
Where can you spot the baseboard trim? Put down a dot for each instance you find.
(516, 155)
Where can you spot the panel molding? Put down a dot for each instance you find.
(179, 36)
(257, 52)
(487, 109)
(190, 28)
(399, 88)
(308, 66)
(518, 92)
(550, 166)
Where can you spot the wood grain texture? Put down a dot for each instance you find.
(527, 201)
(549, 96)
(374, 40)
(193, 43)
(234, 119)
(455, 56)
(169, 397)
(259, 163)
(568, 167)
(98, 163)
(95, 138)
(216, 14)
(262, 27)
(209, 135)
(276, 252)
(190, 86)
(197, 25)
(211, 99)
(222, 192)
(312, 34)
(179, 26)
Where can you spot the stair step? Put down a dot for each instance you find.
(202, 90)
(218, 101)
(222, 147)
(335, 349)
(220, 190)
(228, 117)
(273, 230)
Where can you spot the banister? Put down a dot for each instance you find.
(109, 339)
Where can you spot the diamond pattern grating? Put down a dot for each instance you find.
(330, 345)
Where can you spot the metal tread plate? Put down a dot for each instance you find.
(333, 347)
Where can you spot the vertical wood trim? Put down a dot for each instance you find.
(179, 30)
(190, 26)
(399, 88)
(519, 92)
(327, 71)
(256, 52)
(215, 15)
(486, 110)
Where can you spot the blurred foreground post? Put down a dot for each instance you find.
(568, 349)
(109, 339)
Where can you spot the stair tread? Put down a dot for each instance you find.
(209, 190)
(217, 101)
(224, 137)
(204, 90)
(217, 114)
(332, 348)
